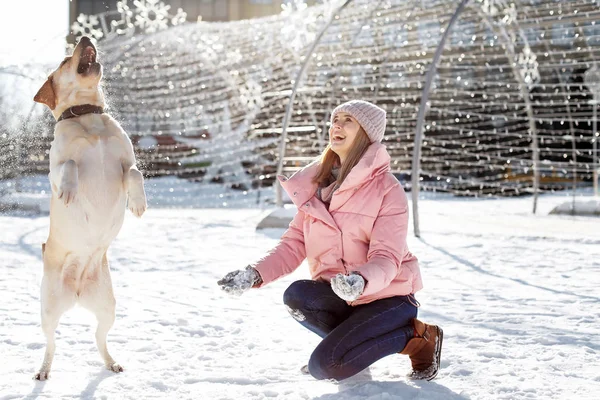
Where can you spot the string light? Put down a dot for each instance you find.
(213, 95)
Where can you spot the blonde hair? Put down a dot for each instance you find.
(329, 159)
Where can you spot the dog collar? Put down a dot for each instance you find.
(78, 111)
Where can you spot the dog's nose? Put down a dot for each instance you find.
(85, 40)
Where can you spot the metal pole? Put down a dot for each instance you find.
(525, 95)
(290, 105)
(591, 78)
(595, 146)
(416, 159)
(574, 184)
(570, 120)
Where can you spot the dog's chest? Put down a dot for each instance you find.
(101, 157)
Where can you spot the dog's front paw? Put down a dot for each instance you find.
(67, 193)
(116, 367)
(42, 375)
(137, 206)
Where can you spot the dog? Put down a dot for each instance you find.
(93, 178)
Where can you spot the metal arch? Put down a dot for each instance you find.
(528, 106)
(337, 80)
(569, 116)
(416, 161)
(290, 105)
(571, 127)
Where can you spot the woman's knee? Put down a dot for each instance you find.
(319, 367)
(323, 366)
(295, 295)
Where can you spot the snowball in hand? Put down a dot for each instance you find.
(348, 287)
(237, 282)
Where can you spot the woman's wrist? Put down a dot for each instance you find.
(257, 279)
(359, 274)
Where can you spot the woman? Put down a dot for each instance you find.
(351, 225)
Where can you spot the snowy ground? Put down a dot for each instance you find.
(516, 294)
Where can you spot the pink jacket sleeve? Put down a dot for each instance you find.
(388, 242)
(289, 253)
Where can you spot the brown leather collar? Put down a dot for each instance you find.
(78, 111)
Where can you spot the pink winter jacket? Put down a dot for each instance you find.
(364, 230)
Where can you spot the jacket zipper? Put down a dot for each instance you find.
(343, 262)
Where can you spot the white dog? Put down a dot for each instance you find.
(93, 175)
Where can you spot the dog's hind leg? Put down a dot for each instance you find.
(98, 297)
(55, 301)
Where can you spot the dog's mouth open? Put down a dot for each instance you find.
(87, 61)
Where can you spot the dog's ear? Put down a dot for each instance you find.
(46, 94)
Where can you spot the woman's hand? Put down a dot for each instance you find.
(348, 287)
(237, 282)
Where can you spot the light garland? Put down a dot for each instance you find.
(231, 82)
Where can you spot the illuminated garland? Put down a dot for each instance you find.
(218, 91)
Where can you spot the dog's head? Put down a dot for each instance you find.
(75, 81)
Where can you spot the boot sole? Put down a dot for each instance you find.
(438, 352)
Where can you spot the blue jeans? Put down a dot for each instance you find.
(353, 337)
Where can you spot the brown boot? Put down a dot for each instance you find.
(424, 350)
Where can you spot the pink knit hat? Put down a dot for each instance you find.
(368, 115)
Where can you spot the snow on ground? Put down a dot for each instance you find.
(516, 294)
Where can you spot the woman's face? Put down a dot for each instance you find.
(342, 133)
